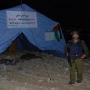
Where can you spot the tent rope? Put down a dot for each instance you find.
(46, 68)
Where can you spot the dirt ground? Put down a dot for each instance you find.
(46, 73)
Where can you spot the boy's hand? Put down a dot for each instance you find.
(67, 54)
(83, 56)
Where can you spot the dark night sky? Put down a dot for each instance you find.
(70, 13)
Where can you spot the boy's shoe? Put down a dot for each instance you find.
(79, 81)
(71, 83)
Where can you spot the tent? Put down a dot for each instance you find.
(31, 30)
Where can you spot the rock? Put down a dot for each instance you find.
(89, 71)
(40, 80)
(58, 75)
(52, 89)
(86, 64)
(49, 79)
(67, 69)
(2, 67)
(21, 71)
(25, 83)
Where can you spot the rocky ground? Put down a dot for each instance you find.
(46, 73)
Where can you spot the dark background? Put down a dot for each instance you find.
(71, 14)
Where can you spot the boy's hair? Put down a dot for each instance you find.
(75, 32)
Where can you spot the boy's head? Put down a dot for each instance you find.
(75, 35)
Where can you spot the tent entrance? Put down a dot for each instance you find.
(24, 44)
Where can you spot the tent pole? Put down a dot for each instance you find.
(21, 2)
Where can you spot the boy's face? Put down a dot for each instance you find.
(75, 36)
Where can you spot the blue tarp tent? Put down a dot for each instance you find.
(30, 38)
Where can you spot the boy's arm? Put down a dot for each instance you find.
(85, 49)
(66, 49)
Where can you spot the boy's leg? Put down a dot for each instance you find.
(72, 73)
(79, 66)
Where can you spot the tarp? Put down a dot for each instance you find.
(34, 35)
